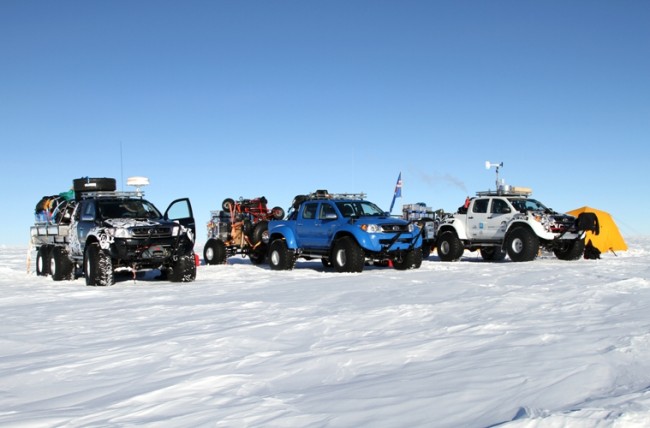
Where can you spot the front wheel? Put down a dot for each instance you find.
(98, 267)
(228, 204)
(214, 252)
(522, 245)
(570, 250)
(450, 247)
(280, 257)
(410, 260)
(277, 213)
(347, 255)
(183, 269)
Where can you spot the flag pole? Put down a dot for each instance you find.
(397, 193)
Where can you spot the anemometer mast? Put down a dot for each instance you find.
(489, 165)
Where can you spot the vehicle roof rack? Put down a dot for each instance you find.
(111, 194)
(505, 190)
(324, 194)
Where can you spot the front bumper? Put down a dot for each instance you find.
(149, 252)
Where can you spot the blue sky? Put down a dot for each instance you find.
(217, 99)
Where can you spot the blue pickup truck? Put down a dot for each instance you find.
(344, 231)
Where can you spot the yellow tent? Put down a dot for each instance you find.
(608, 237)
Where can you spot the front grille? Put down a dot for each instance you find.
(151, 232)
(388, 228)
(562, 223)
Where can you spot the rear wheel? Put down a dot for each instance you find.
(522, 245)
(347, 255)
(260, 232)
(98, 267)
(570, 250)
(61, 267)
(280, 257)
(493, 254)
(450, 248)
(214, 252)
(43, 260)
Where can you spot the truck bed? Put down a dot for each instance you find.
(49, 234)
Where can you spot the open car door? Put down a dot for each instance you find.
(181, 210)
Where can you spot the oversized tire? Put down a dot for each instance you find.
(280, 257)
(260, 233)
(98, 266)
(214, 252)
(522, 245)
(410, 260)
(247, 227)
(493, 254)
(347, 255)
(183, 269)
(228, 204)
(277, 213)
(570, 250)
(450, 247)
(43, 260)
(61, 267)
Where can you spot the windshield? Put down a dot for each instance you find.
(523, 205)
(128, 208)
(359, 209)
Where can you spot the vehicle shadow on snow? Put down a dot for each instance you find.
(315, 265)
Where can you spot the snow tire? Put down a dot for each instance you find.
(522, 245)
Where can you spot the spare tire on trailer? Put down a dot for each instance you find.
(89, 184)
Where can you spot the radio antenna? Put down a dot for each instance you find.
(121, 167)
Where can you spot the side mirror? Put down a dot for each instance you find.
(506, 210)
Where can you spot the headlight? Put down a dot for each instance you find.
(411, 227)
(371, 228)
(120, 232)
(176, 230)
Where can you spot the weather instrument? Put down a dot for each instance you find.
(489, 165)
(138, 183)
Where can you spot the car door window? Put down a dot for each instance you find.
(499, 206)
(480, 206)
(309, 212)
(325, 210)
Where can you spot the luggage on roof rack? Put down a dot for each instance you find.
(89, 184)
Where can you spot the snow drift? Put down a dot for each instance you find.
(540, 344)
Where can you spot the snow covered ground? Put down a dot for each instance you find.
(540, 344)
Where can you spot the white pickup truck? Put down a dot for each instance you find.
(508, 221)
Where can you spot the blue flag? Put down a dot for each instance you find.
(398, 192)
